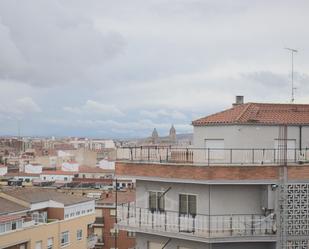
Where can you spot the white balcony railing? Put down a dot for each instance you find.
(209, 156)
(199, 225)
(91, 241)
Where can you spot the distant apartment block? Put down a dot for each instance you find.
(104, 226)
(243, 184)
(36, 218)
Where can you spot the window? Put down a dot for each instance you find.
(156, 201)
(187, 204)
(65, 238)
(112, 212)
(79, 234)
(78, 213)
(65, 179)
(2, 228)
(50, 243)
(38, 245)
(130, 234)
(14, 225)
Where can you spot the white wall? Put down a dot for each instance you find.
(56, 177)
(224, 199)
(247, 136)
(3, 171)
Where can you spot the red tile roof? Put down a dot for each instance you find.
(7, 218)
(122, 197)
(259, 113)
(57, 172)
(89, 169)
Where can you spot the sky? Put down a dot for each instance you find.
(117, 69)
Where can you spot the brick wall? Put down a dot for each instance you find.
(179, 171)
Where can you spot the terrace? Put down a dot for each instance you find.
(203, 227)
(213, 156)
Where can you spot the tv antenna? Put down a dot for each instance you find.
(292, 50)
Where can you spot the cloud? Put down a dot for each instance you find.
(45, 43)
(155, 114)
(19, 107)
(94, 107)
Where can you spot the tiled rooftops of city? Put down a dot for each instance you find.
(123, 196)
(35, 195)
(7, 207)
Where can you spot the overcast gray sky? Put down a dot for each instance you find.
(120, 68)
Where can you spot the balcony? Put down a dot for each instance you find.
(91, 241)
(99, 222)
(200, 227)
(100, 241)
(208, 156)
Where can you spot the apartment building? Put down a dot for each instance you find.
(104, 226)
(37, 218)
(243, 184)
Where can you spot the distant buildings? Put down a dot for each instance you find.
(34, 218)
(171, 139)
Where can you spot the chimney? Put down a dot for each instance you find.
(239, 100)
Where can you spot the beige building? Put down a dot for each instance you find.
(35, 218)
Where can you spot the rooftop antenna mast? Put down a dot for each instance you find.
(292, 50)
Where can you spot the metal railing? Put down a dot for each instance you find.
(199, 225)
(91, 241)
(208, 156)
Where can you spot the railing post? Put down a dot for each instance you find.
(252, 224)
(128, 215)
(131, 154)
(152, 220)
(252, 156)
(231, 156)
(140, 217)
(231, 225)
(187, 155)
(208, 154)
(274, 156)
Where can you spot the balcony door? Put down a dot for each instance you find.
(187, 212)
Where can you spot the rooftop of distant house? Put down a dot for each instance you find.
(58, 172)
(7, 207)
(122, 197)
(259, 113)
(88, 169)
(36, 195)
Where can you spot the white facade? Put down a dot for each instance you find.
(3, 170)
(33, 168)
(70, 166)
(57, 177)
(76, 210)
(248, 136)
